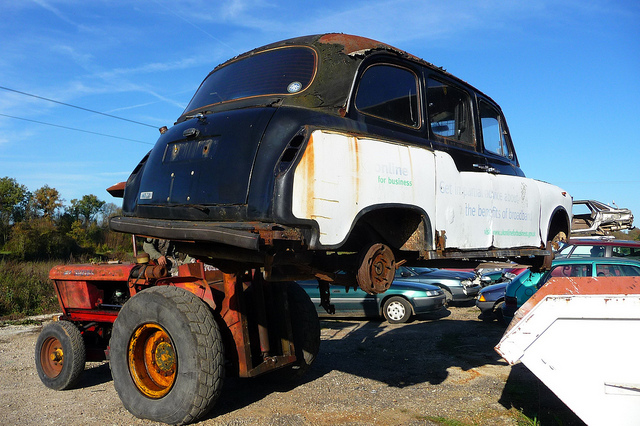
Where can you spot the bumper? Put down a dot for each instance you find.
(486, 308)
(423, 305)
(508, 312)
(464, 294)
(245, 235)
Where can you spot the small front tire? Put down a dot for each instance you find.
(397, 310)
(60, 355)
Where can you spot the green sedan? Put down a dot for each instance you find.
(404, 299)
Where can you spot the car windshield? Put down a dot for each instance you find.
(274, 72)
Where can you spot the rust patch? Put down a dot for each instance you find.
(306, 168)
(353, 44)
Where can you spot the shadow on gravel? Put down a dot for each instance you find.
(94, 374)
(398, 355)
(525, 392)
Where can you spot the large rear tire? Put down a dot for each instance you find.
(167, 357)
(306, 333)
(60, 355)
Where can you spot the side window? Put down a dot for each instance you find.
(625, 251)
(494, 134)
(571, 271)
(606, 270)
(449, 113)
(390, 93)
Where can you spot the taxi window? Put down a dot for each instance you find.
(494, 134)
(449, 111)
(391, 93)
(284, 71)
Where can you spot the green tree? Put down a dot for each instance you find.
(109, 210)
(86, 209)
(47, 200)
(14, 199)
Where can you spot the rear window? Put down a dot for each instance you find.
(275, 72)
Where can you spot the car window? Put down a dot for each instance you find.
(391, 93)
(588, 251)
(279, 71)
(614, 270)
(494, 134)
(571, 271)
(449, 110)
(625, 252)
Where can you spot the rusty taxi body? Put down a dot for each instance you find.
(336, 152)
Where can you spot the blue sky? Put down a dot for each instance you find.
(565, 72)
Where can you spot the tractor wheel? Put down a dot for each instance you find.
(397, 310)
(167, 358)
(306, 333)
(60, 355)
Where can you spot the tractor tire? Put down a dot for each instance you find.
(60, 355)
(397, 310)
(167, 357)
(306, 333)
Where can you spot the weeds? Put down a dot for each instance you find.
(25, 289)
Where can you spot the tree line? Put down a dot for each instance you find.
(39, 225)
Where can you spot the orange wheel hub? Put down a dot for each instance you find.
(52, 357)
(152, 360)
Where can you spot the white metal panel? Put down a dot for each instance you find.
(585, 349)
(340, 175)
(482, 210)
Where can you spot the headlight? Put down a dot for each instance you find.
(466, 282)
(432, 293)
(481, 298)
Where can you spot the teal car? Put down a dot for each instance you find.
(521, 288)
(404, 299)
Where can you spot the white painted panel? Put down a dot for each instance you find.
(584, 348)
(341, 175)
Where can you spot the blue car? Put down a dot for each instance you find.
(404, 299)
(491, 298)
(490, 301)
(519, 290)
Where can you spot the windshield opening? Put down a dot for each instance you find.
(283, 71)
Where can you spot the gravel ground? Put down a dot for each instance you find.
(438, 370)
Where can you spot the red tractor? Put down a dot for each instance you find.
(170, 340)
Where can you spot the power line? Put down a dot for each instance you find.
(77, 130)
(77, 107)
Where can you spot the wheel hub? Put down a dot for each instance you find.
(51, 357)
(377, 269)
(152, 360)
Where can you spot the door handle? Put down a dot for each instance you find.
(486, 168)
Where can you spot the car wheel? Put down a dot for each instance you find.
(396, 310)
(448, 296)
(167, 357)
(60, 355)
